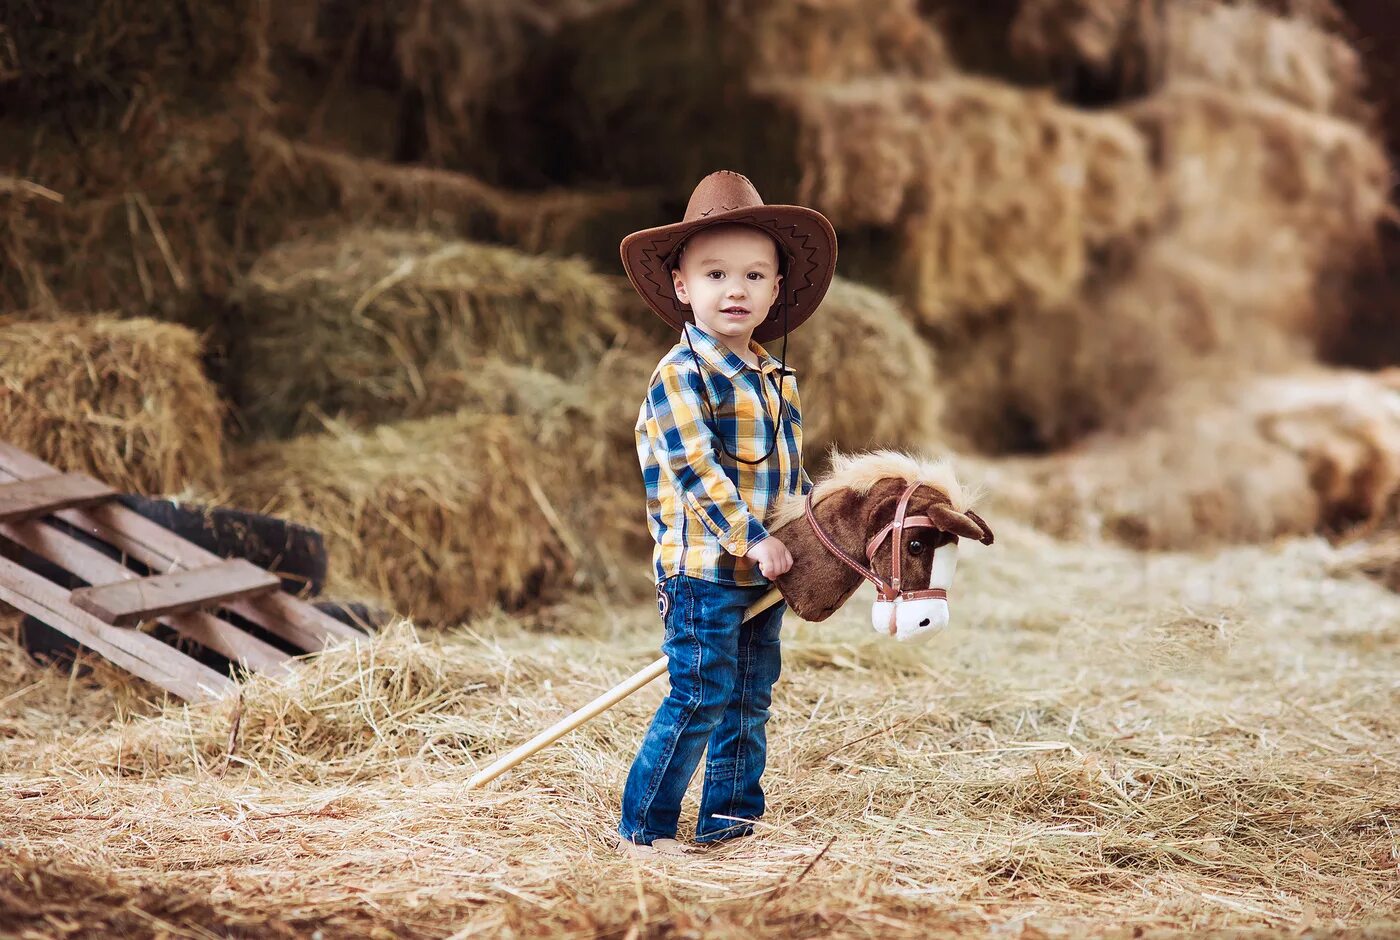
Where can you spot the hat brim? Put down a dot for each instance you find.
(805, 234)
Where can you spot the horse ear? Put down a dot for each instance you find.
(966, 525)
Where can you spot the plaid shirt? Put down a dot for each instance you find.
(705, 509)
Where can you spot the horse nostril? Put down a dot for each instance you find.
(924, 622)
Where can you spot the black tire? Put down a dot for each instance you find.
(296, 553)
(362, 617)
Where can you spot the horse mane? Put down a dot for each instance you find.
(859, 472)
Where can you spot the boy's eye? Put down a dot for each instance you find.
(713, 273)
(755, 274)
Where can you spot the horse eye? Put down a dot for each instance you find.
(916, 547)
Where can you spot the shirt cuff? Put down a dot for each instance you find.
(743, 538)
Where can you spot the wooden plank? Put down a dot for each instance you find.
(137, 653)
(158, 548)
(92, 566)
(28, 499)
(127, 603)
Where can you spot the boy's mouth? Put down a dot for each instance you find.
(735, 311)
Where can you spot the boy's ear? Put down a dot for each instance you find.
(678, 283)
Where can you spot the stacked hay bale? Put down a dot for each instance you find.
(1231, 460)
(439, 518)
(183, 204)
(145, 169)
(996, 196)
(125, 401)
(296, 188)
(1131, 48)
(1135, 253)
(374, 325)
(504, 393)
(866, 379)
(691, 76)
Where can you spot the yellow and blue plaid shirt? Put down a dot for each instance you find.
(704, 508)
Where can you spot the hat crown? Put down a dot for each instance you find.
(721, 191)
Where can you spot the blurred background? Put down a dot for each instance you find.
(355, 264)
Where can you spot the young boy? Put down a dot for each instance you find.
(719, 439)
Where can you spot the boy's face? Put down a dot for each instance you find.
(729, 276)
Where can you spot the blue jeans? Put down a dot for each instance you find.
(722, 675)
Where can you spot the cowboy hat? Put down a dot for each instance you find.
(807, 257)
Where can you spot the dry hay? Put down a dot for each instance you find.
(449, 62)
(131, 225)
(1268, 191)
(1033, 380)
(1120, 42)
(1225, 461)
(1244, 49)
(1297, 56)
(324, 188)
(997, 196)
(125, 401)
(1274, 166)
(705, 60)
(532, 486)
(1268, 208)
(867, 380)
(379, 324)
(90, 55)
(165, 214)
(1105, 744)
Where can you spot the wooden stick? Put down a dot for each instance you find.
(596, 707)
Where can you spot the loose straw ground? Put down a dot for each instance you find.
(596, 707)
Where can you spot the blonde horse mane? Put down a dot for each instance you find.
(859, 472)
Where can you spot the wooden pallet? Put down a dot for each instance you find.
(192, 586)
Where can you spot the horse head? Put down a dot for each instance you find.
(886, 517)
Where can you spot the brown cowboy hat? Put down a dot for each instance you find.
(808, 247)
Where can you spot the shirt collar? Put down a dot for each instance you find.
(724, 360)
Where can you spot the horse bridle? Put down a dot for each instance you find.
(888, 590)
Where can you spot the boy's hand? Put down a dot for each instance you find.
(772, 556)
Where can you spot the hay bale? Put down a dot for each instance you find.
(1035, 380)
(1115, 50)
(1377, 559)
(1116, 44)
(439, 518)
(377, 324)
(297, 188)
(163, 217)
(1292, 454)
(125, 401)
(1248, 50)
(132, 225)
(996, 195)
(704, 60)
(98, 55)
(1268, 209)
(867, 379)
(1274, 165)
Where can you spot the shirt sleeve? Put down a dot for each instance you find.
(804, 482)
(686, 447)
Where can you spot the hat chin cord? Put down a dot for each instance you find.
(782, 402)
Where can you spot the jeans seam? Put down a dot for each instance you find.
(673, 740)
(741, 758)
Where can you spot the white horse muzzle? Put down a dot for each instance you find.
(914, 621)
